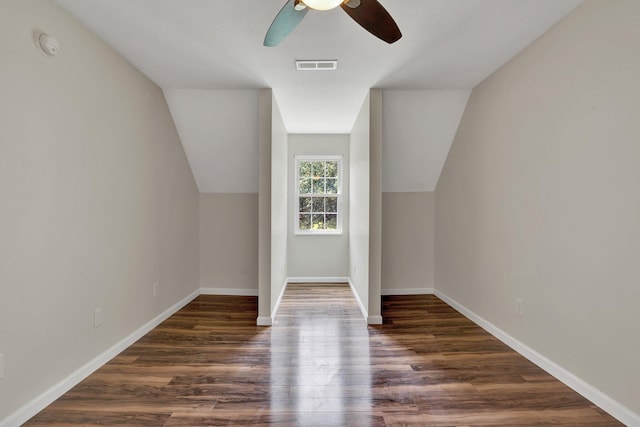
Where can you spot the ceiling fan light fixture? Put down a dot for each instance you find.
(323, 4)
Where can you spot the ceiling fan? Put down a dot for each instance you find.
(368, 13)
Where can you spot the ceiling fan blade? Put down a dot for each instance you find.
(284, 23)
(374, 18)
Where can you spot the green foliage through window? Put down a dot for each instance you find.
(318, 192)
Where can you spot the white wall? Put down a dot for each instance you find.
(279, 204)
(418, 129)
(229, 243)
(98, 202)
(359, 206)
(318, 256)
(365, 206)
(219, 131)
(539, 199)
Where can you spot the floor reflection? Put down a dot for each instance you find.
(320, 356)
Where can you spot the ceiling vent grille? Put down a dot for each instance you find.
(316, 65)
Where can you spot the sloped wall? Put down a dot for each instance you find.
(539, 199)
(98, 202)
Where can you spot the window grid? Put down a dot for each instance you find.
(318, 195)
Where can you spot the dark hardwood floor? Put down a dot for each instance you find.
(320, 365)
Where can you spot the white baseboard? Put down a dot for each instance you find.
(374, 320)
(363, 309)
(408, 291)
(613, 407)
(318, 279)
(263, 321)
(277, 306)
(228, 291)
(39, 403)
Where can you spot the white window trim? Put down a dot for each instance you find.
(340, 211)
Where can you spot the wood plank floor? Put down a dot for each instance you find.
(320, 365)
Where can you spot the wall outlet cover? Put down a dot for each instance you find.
(97, 318)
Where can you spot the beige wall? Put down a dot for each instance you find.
(375, 206)
(98, 202)
(539, 199)
(264, 206)
(407, 242)
(229, 242)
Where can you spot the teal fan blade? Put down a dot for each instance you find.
(284, 23)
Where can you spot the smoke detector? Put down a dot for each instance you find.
(47, 45)
(317, 65)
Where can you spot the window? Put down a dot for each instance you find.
(318, 195)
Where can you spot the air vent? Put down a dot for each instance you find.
(316, 65)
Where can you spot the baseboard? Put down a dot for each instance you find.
(263, 321)
(277, 306)
(408, 291)
(374, 320)
(39, 403)
(613, 407)
(608, 404)
(363, 309)
(318, 279)
(228, 291)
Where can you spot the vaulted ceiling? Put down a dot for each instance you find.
(205, 45)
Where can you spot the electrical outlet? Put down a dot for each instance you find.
(519, 307)
(97, 318)
(386, 269)
(155, 289)
(1, 365)
(353, 269)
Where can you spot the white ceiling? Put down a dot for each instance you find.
(217, 44)
(208, 57)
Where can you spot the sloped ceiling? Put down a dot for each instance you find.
(216, 45)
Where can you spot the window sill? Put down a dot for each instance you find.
(318, 233)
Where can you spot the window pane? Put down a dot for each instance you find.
(304, 169)
(304, 186)
(318, 204)
(332, 222)
(332, 168)
(318, 185)
(305, 204)
(331, 204)
(318, 169)
(318, 222)
(305, 222)
(318, 189)
(332, 186)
